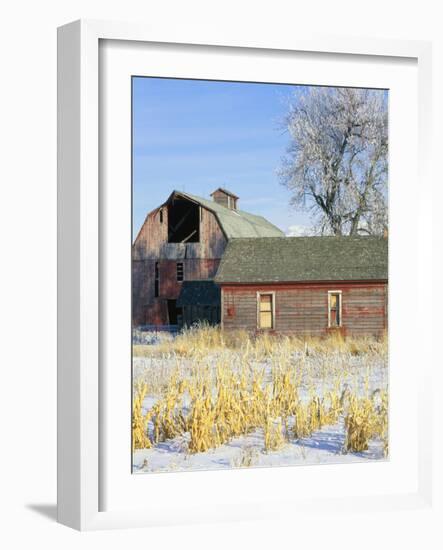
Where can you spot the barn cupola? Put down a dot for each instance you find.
(225, 198)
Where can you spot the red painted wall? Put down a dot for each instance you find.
(302, 308)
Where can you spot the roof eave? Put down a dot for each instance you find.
(304, 281)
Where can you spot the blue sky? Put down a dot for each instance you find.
(195, 136)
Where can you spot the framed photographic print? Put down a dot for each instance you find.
(239, 272)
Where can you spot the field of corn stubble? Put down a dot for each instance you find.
(209, 399)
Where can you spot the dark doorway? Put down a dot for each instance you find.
(174, 313)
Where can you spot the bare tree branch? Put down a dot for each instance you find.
(336, 166)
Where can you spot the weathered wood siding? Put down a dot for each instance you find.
(200, 262)
(224, 199)
(152, 235)
(152, 240)
(146, 308)
(302, 308)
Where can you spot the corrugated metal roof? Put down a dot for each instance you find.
(297, 259)
(236, 223)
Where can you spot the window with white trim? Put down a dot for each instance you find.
(334, 308)
(265, 311)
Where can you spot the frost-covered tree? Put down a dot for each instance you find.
(337, 162)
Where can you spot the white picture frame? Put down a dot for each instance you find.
(80, 208)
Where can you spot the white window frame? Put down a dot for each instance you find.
(266, 293)
(330, 293)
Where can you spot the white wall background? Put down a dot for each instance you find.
(28, 262)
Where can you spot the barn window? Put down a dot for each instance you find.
(265, 310)
(334, 308)
(161, 216)
(179, 271)
(156, 281)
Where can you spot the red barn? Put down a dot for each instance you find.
(305, 285)
(177, 253)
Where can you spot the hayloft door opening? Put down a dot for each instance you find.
(183, 222)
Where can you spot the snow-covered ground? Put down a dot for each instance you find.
(324, 446)
(362, 372)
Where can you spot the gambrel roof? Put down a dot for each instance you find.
(235, 223)
(303, 259)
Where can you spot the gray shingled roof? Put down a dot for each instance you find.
(296, 259)
(236, 223)
(204, 293)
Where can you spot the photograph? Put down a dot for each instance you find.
(259, 261)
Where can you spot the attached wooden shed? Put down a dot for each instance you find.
(199, 302)
(305, 285)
